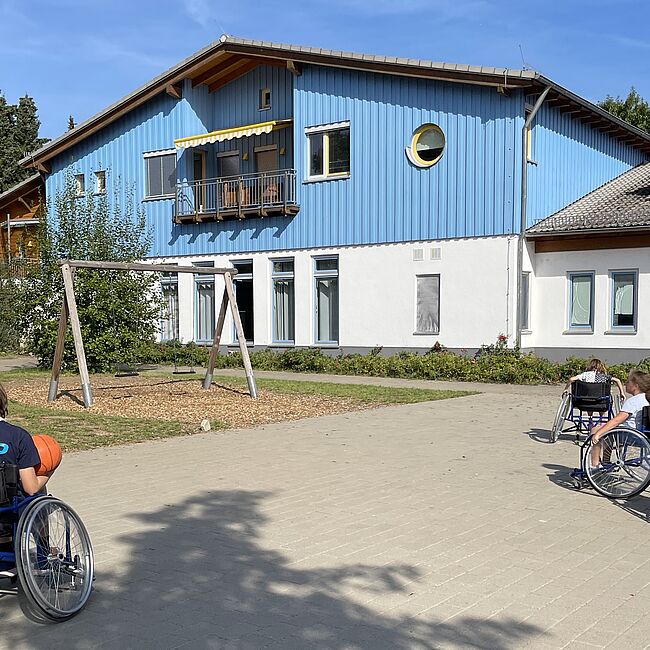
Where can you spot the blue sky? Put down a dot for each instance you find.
(77, 57)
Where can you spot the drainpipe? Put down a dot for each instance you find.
(524, 197)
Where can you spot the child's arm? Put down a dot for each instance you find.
(619, 385)
(598, 432)
(571, 380)
(32, 483)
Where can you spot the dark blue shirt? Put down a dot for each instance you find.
(17, 446)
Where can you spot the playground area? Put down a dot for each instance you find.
(440, 524)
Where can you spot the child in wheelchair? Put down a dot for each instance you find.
(630, 415)
(595, 373)
(17, 448)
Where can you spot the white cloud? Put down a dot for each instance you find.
(206, 13)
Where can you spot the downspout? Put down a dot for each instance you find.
(524, 198)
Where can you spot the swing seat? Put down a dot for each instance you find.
(125, 370)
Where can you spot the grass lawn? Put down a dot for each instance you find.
(77, 430)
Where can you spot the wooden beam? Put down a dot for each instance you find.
(137, 266)
(222, 81)
(214, 351)
(207, 75)
(174, 90)
(58, 352)
(295, 68)
(252, 388)
(587, 242)
(68, 285)
(44, 167)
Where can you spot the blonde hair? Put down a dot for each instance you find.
(596, 364)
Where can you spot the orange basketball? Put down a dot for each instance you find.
(50, 453)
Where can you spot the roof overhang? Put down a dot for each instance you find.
(614, 231)
(245, 131)
(229, 58)
(20, 189)
(18, 223)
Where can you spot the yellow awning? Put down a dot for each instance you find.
(229, 134)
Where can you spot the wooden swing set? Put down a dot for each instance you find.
(69, 313)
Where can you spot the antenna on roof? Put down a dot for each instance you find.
(524, 65)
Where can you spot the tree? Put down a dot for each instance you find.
(118, 310)
(9, 332)
(19, 126)
(633, 109)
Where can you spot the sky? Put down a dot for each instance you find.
(76, 58)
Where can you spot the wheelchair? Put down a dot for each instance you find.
(584, 407)
(620, 469)
(49, 560)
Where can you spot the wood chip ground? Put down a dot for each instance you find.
(182, 400)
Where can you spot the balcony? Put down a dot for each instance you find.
(18, 267)
(237, 197)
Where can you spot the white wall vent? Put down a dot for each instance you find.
(418, 254)
(436, 253)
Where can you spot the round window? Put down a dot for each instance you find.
(427, 145)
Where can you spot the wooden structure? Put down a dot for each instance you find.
(69, 313)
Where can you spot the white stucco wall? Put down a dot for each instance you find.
(550, 300)
(377, 293)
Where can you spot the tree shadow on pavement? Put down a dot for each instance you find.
(198, 574)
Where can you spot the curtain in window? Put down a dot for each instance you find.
(284, 310)
(623, 299)
(581, 300)
(428, 304)
(205, 311)
(327, 304)
(170, 312)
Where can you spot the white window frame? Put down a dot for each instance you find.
(580, 329)
(426, 275)
(282, 275)
(100, 174)
(170, 280)
(243, 276)
(325, 129)
(624, 329)
(327, 274)
(80, 184)
(265, 106)
(207, 280)
(157, 154)
(525, 305)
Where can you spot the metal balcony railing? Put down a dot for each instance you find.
(17, 267)
(237, 196)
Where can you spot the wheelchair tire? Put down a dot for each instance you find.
(560, 416)
(623, 467)
(54, 559)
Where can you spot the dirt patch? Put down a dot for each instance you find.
(181, 400)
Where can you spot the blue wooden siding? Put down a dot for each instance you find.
(572, 160)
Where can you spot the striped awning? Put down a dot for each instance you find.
(229, 134)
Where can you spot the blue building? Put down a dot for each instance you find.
(365, 200)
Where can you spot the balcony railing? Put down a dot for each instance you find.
(246, 195)
(17, 267)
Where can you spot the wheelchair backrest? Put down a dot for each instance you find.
(8, 482)
(591, 396)
(645, 418)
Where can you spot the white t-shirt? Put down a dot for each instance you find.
(634, 406)
(593, 377)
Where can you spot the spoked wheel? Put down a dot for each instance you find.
(560, 416)
(618, 466)
(54, 559)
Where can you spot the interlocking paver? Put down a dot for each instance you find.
(433, 525)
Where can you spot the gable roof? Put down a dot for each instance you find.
(232, 53)
(20, 189)
(622, 203)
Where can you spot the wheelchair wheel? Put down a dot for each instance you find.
(560, 416)
(619, 467)
(54, 559)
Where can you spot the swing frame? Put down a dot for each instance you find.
(69, 313)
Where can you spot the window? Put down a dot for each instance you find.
(228, 163)
(169, 315)
(427, 310)
(265, 99)
(161, 174)
(329, 151)
(581, 300)
(243, 283)
(326, 278)
(80, 184)
(100, 182)
(204, 298)
(524, 320)
(283, 301)
(624, 299)
(427, 146)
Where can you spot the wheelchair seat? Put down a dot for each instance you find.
(593, 397)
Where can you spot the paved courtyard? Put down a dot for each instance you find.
(435, 525)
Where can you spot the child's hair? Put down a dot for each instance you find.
(4, 402)
(596, 364)
(641, 379)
